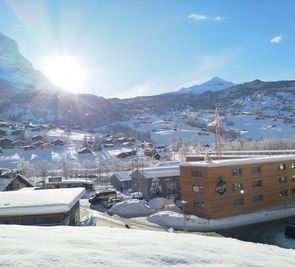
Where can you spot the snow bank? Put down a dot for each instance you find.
(160, 203)
(103, 246)
(194, 223)
(132, 208)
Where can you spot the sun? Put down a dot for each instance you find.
(64, 71)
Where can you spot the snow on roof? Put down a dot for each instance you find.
(73, 181)
(239, 161)
(123, 176)
(162, 171)
(14, 203)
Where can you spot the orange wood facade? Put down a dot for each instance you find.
(211, 204)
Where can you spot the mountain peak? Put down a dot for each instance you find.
(215, 84)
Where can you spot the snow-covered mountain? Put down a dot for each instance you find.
(16, 72)
(213, 85)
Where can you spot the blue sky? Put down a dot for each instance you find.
(146, 47)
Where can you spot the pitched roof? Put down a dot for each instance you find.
(123, 176)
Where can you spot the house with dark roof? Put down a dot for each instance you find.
(10, 181)
(6, 143)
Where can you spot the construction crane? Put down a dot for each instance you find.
(217, 135)
(217, 128)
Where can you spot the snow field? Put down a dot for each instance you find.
(102, 246)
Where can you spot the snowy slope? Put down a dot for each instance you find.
(215, 84)
(16, 70)
(101, 246)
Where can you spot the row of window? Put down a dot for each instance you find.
(238, 171)
(237, 202)
(240, 186)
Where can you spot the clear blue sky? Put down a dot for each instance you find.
(145, 47)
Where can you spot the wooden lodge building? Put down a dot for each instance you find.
(41, 207)
(229, 187)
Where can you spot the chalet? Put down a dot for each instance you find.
(160, 155)
(36, 129)
(127, 144)
(38, 144)
(85, 150)
(29, 147)
(41, 207)
(3, 132)
(168, 177)
(121, 180)
(126, 154)
(6, 143)
(58, 142)
(47, 145)
(149, 152)
(19, 143)
(17, 132)
(38, 137)
(10, 181)
(4, 124)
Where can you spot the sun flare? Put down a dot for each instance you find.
(65, 72)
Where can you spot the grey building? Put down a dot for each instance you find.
(167, 181)
(121, 180)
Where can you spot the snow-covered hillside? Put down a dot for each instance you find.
(101, 246)
(16, 70)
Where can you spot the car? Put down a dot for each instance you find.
(102, 196)
(290, 231)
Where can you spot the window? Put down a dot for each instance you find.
(238, 202)
(293, 191)
(257, 198)
(283, 193)
(282, 167)
(197, 173)
(236, 171)
(198, 204)
(238, 187)
(257, 183)
(292, 179)
(198, 188)
(282, 180)
(292, 165)
(256, 170)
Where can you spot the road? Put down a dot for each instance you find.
(267, 233)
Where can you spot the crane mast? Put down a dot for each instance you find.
(217, 135)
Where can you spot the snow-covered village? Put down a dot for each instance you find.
(147, 133)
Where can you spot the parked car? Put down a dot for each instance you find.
(102, 196)
(290, 231)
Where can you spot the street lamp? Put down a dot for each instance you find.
(183, 202)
